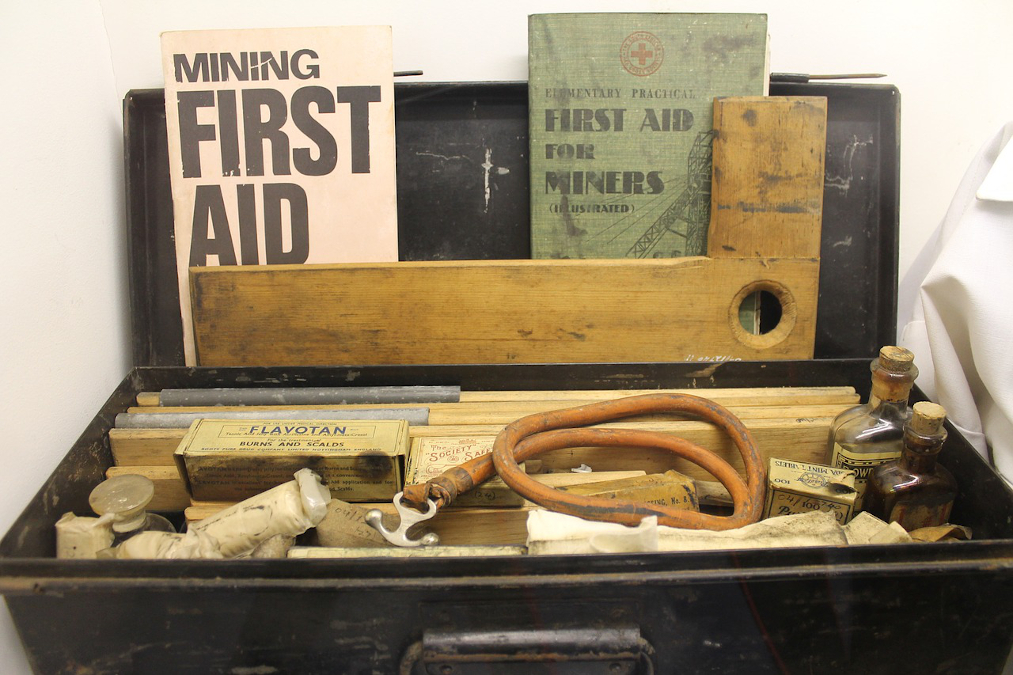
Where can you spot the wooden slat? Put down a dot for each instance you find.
(802, 439)
(151, 447)
(527, 311)
(767, 191)
(499, 413)
(148, 398)
(170, 488)
(144, 447)
(728, 396)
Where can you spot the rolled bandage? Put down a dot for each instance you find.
(275, 547)
(82, 536)
(288, 509)
(166, 545)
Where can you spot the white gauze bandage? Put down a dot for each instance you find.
(83, 536)
(288, 509)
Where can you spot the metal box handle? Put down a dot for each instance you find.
(609, 651)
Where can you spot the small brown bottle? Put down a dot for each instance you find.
(865, 436)
(915, 490)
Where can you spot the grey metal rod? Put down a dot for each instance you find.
(414, 416)
(309, 395)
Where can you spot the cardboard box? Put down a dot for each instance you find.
(231, 460)
(664, 489)
(797, 487)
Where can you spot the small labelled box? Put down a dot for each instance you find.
(231, 460)
(797, 487)
(663, 489)
(430, 457)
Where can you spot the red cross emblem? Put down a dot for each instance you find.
(641, 53)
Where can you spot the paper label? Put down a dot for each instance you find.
(784, 503)
(915, 516)
(862, 463)
(231, 460)
(798, 487)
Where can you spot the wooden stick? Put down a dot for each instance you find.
(725, 396)
(475, 413)
(155, 446)
(144, 447)
(148, 398)
(801, 439)
(170, 488)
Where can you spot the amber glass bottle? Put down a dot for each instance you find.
(863, 437)
(915, 490)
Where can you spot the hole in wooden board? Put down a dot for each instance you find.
(762, 314)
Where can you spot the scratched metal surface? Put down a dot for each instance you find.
(869, 609)
(696, 622)
(463, 193)
(462, 172)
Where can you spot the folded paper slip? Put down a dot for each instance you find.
(555, 533)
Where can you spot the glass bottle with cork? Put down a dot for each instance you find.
(863, 437)
(915, 490)
(126, 497)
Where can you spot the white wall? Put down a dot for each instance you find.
(64, 300)
(64, 306)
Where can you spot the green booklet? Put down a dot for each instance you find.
(621, 110)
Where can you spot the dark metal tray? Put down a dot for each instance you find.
(444, 134)
(870, 609)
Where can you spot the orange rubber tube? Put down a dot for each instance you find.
(542, 432)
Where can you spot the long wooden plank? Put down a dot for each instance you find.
(524, 311)
(726, 396)
(730, 396)
(767, 191)
(678, 427)
(800, 439)
(494, 413)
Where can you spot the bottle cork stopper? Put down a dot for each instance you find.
(896, 359)
(125, 497)
(927, 418)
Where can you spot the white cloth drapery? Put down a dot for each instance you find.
(961, 330)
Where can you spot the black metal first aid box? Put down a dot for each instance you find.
(905, 608)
